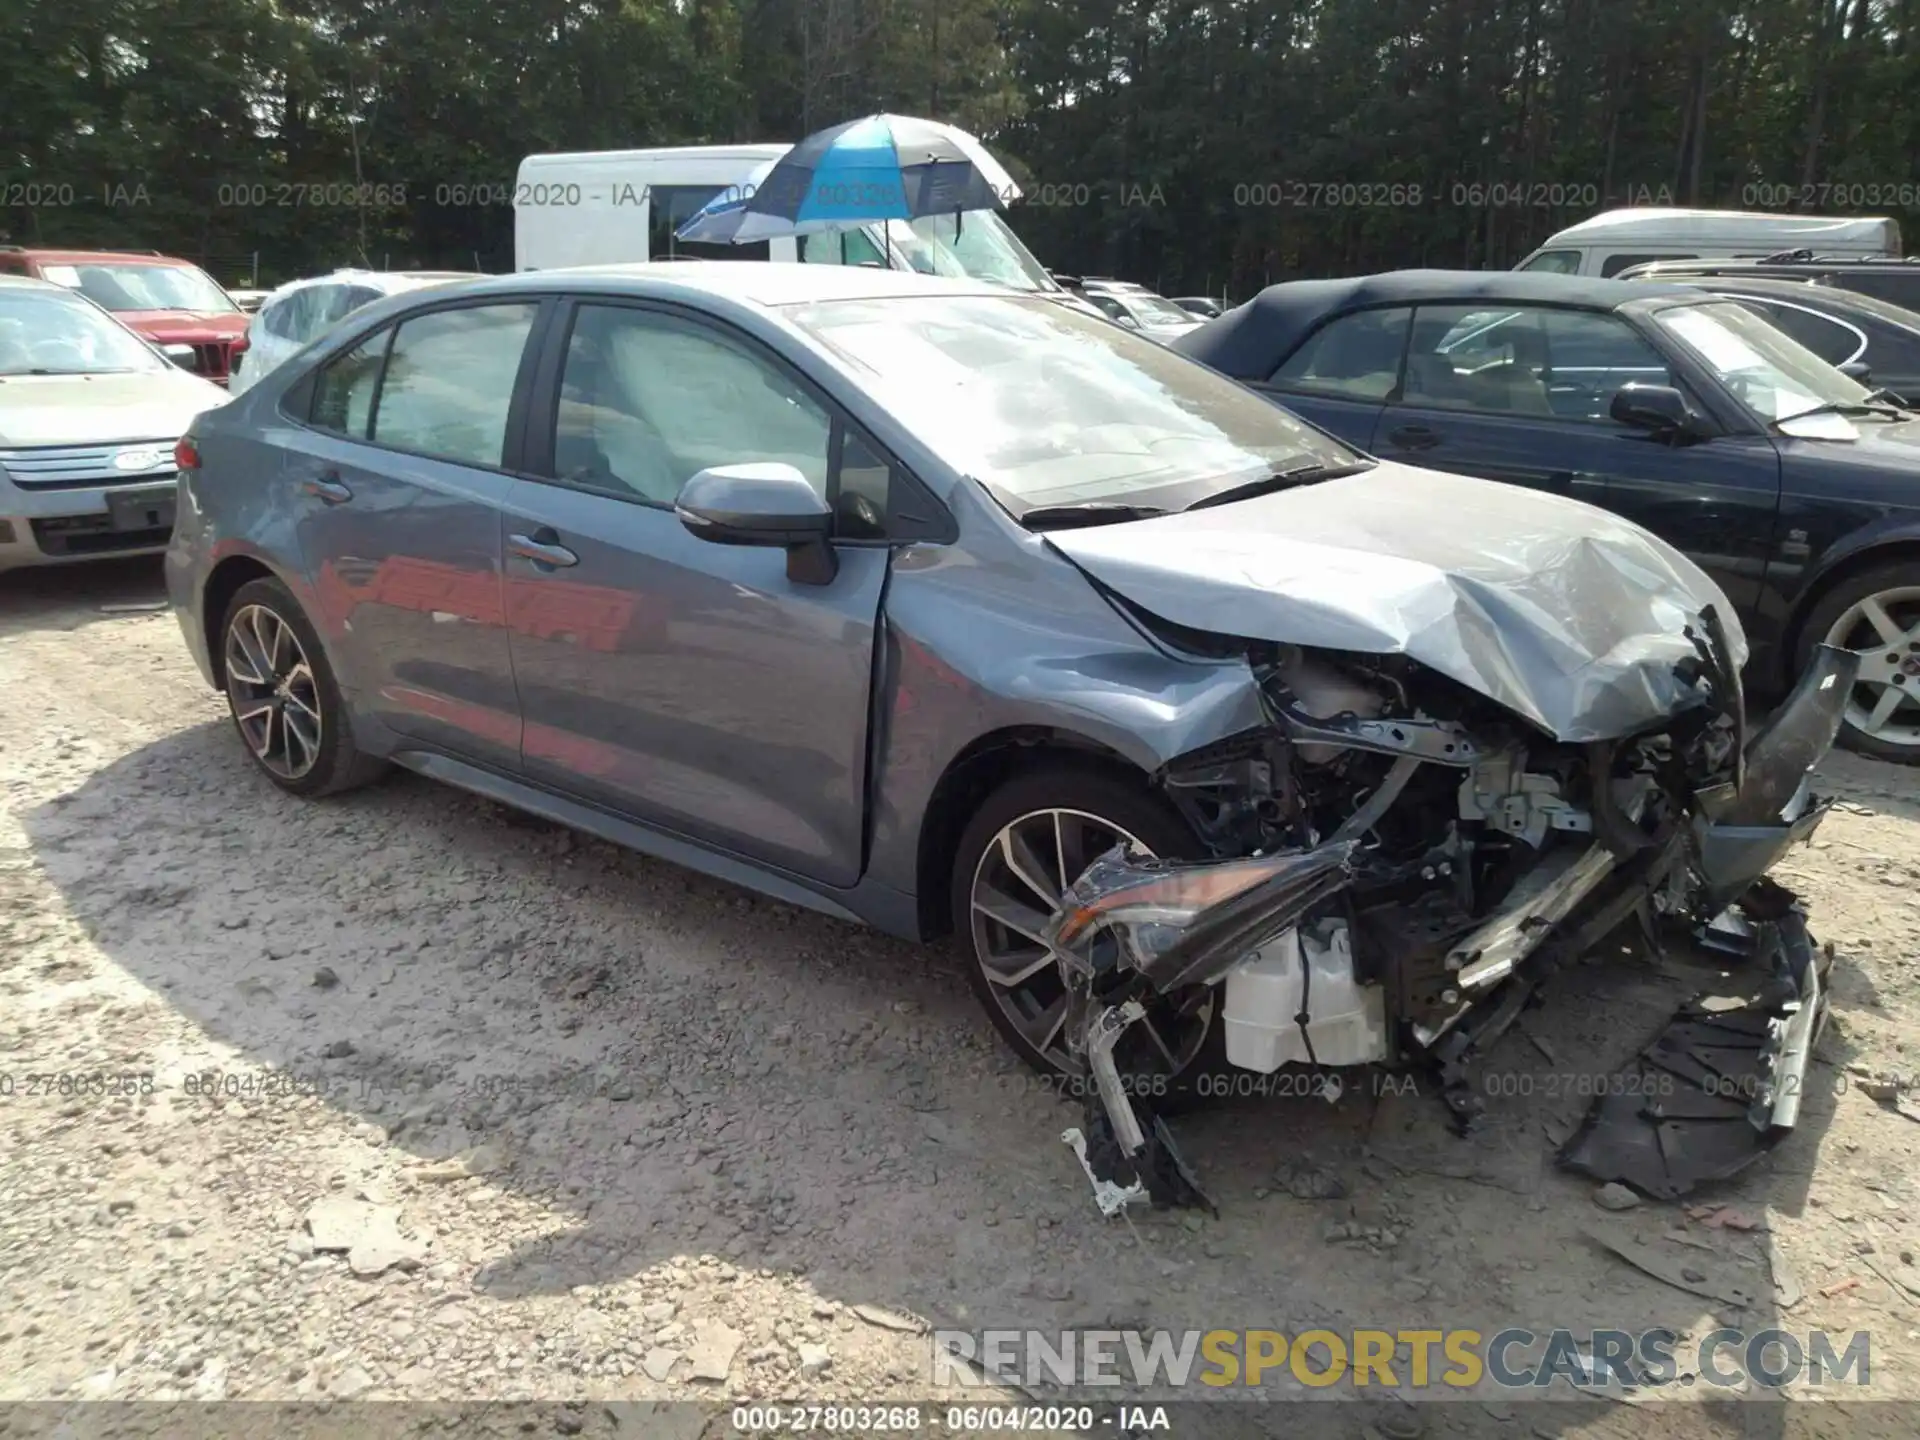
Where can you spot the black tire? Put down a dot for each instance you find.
(1828, 612)
(1154, 822)
(336, 764)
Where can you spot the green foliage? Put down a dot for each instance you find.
(1195, 146)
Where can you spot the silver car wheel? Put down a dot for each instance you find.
(271, 689)
(1017, 886)
(1884, 630)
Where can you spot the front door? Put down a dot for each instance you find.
(1522, 394)
(689, 684)
(401, 479)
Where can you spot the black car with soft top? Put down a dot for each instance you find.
(1796, 487)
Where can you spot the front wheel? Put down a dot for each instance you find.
(1029, 841)
(1876, 614)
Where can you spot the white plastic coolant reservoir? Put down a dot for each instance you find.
(1347, 1021)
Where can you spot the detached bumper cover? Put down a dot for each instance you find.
(1716, 1089)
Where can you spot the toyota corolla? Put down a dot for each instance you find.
(1216, 743)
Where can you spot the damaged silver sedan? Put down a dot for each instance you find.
(1217, 744)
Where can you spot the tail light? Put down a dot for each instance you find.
(185, 457)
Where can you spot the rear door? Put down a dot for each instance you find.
(1340, 376)
(693, 685)
(400, 478)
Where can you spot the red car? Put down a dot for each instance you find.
(169, 301)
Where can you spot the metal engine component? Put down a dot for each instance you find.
(1503, 794)
(1322, 692)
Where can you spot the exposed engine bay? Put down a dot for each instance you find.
(1397, 862)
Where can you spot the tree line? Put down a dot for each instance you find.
(1213, 145)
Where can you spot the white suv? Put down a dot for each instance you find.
(303, 310)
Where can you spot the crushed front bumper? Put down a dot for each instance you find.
(1169, 927)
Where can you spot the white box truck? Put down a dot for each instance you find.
(615, 207)
(1609, 243)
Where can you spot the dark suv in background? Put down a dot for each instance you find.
(1893, 279)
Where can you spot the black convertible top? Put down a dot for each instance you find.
(1251, 339)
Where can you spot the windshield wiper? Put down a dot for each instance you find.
(1091, 512)
(1277, 479)
(1867, 406)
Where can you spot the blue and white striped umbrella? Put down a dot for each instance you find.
(885, 167)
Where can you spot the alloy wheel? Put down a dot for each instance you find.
(271, 688)
(1017, 887)
(1884, 630)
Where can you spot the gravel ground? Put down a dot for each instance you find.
(502, 1112)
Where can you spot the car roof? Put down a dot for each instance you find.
(1264, 329)
(1634, 221)
(1813, 294)
(81, 257)
(751, 282)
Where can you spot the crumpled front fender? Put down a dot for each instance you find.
(1773, 809)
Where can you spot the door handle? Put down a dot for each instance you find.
(1413, 437)
(543, 548)
(327, 489)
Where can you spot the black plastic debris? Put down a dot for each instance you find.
(1717, 1088)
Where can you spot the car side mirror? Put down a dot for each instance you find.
(1660, 409)
(763, 503)
(181, 355)
(1857, 370)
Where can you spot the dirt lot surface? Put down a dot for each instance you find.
(502, 1112)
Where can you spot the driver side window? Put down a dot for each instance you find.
(1535, 361)
(648, 400)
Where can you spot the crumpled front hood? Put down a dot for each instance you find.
(1562, 613)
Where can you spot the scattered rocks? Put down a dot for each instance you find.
(368, 1234)
(1304, 1180)
(337, 1050)
(814, 1359)
(710, 1356)
(1615, 1196)
(325, 979)
(658, 1363)
(888, 1319)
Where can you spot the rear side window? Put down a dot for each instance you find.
(1897, 287)
(290, 317)
(449, 381)
(671, 206)
(1614, 264)
(1356, 355)
(343, 394)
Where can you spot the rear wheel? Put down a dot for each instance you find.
(1031, 838)
(285, 703)
(1876, 614)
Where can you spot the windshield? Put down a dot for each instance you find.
(133, 286)
(1153, 310)
(1050, 406)
(976, 244)
(1771, 375)
(1554, 262)
(43, 332)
